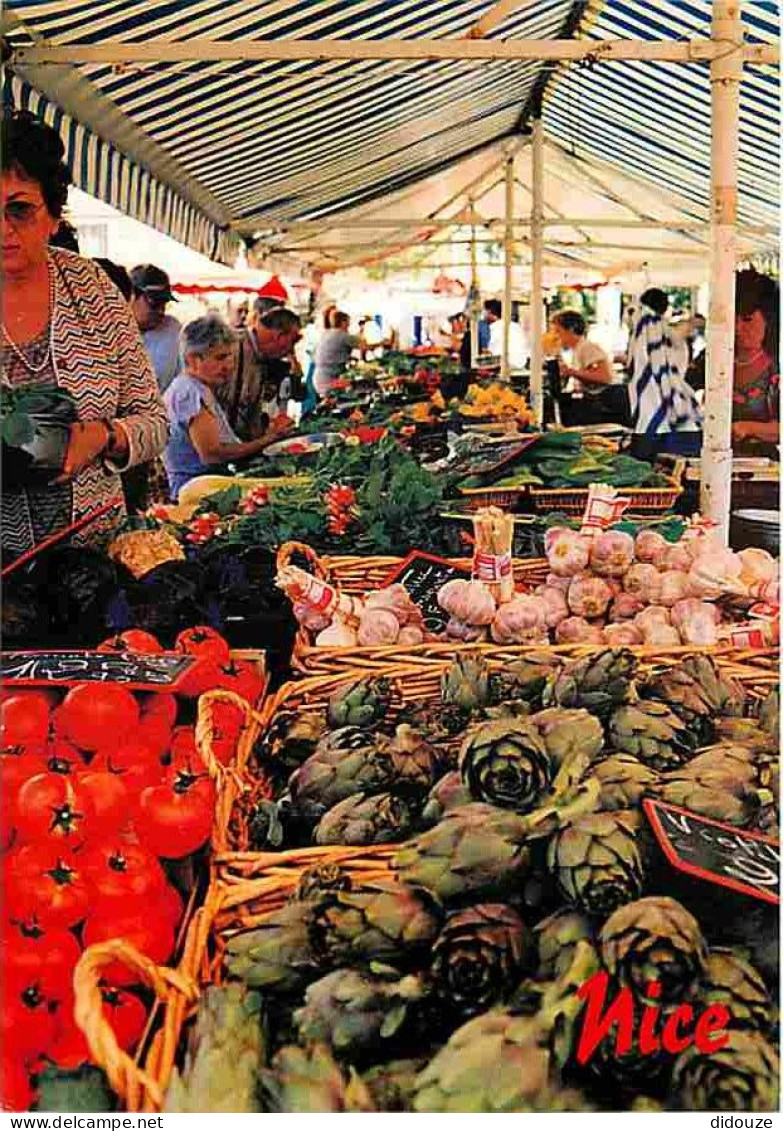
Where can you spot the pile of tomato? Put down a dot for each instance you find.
(101, 789)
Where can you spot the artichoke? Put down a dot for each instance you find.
(506, 763)
(360, 703)
(729, 783)
(623, 780)
(525, 679)
(322, 878)
(436, 724)
(414, 763)
(725, 694)
(557, 937)
(383, 818)
(654, 940)
(494, 1063)
(731, 981)
(448, 793)
(308, 1080)
(385, 921)
(686, 697)
(345, 761)
(746, 732)
(224, 1055)
(568, 734)
(475, 850)
(291, 738)
(769, 714)
(741, 1076)
(355, 1012)
(480, 956)
(391, 1085)
(596, 862)
(652, 733)
(278, 954)
(599, 683)
(466, 684)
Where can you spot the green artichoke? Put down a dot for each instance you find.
(466, 684)
(731, 981)
(360, 703)
(568, 734)
(654, 940)
(729, 783)
(506, 763)
(596, 862)
(724, 693)
(391, 1085)
(278, 954)
(599, 683)
(322, 878)
(355, 1012)
(383, 818)
(494, 1063)
(345, 762)
(224, 1055)
(557, 937)
(479, 957)
(624, 781)
(746, 732)
(308, 1080)
(742, 1076)
(652, 733)
(769, 714)
(475, 850)
(448, 793)
(414, 763)
(684, 695)
(290, 739)
(386, 921)
(525, 679)
(436, 724)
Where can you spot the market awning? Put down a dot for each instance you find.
(206, 148)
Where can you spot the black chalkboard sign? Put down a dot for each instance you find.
(139, 672)
(720, 854)
(423, 575)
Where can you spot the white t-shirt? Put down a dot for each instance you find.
(518, 351)
(583, 356)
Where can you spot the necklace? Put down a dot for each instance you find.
(50, 346)
(750, 360)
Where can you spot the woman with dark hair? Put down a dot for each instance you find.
(756, 397)
(64, 325)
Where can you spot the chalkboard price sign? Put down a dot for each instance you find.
(423, 575)
(138, 672)
(744, 862)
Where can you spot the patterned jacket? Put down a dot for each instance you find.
(100, 360)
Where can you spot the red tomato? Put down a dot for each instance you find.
(24, 719)
(54, 809)
(132, 640)
(153, 731)
(16, 1094)
(228, 722)
(47, 884)
(160, 705)
(126, 1014)
(93, 712)
(109, 797)
(17, 764)
(183, 744)
(175, 817)
(33, 955)
(148, 929)
(69, 1049)
(28, 1024)
(122, 872)
(60, 757)
(135, 763)
(204, 675)
(243, 679)
(204, 642)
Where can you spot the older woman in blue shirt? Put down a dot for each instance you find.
(200, 436)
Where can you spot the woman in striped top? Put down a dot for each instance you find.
(665, 415)
(65, 324)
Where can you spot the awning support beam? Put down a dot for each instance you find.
(117, 53)
(537, 274)
(508, 267)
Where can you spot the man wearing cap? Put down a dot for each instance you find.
(160, 331)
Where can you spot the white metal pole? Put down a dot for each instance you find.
(508, 265)
(537, 273)
(725, 79)
(474, 291)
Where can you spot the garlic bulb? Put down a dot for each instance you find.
(650, 547)
(644, 581)
(337, 635)
(520, 621)
(618, 635)
(555, 602)
(567, 551)
(576, 630)
(377, 626)
(589, 596)
(611, 553)
(469, 601)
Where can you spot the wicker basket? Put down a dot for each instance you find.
(643, 500)
(418, 683)
(354, 576)
(507, 497)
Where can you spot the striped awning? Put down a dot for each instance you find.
(208, 150)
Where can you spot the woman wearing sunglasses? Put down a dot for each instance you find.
(65, 326)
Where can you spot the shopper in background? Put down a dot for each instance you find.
(255, 393)
(65, 325)
(333, 352)
(518, 352)
(238, 310)
(665, 414)
(591, 368)
(159, 330)
(201, 437)
(756, 399)
(118, 275)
